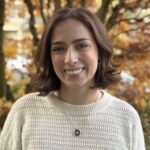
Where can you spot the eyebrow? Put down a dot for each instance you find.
(75, 41)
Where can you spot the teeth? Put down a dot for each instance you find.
(75, 71)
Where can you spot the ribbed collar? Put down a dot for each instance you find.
(89, 109)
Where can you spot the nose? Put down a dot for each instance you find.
(71, 56)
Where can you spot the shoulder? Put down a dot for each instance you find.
(29, 101)
(122, 108)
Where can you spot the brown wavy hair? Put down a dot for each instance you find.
(46, 80)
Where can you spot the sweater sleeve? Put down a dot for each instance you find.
(138, 136)
(10, 138)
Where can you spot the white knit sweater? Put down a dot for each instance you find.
(41, 123)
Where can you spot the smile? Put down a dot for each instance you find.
(74, 71)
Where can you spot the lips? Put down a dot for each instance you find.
(74, 71)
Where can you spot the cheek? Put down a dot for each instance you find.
(91, 58)
(56, 64)
(92, 61)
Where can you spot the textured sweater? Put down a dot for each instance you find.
(47, 123)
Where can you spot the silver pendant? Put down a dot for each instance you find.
(77, 132)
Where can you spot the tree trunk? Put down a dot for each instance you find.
(32, 21)
(103, 11)
(2, 60)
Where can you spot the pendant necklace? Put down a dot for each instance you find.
(77, 131)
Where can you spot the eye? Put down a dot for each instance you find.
(58, 49)
(82, 45)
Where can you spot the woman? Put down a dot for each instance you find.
(70, 110)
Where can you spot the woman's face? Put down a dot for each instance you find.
(74, 54)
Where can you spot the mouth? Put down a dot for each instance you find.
(74, 71)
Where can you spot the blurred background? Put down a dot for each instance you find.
(128, 23)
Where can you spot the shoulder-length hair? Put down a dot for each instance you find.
(46, 80)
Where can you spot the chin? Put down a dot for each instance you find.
(77, 85)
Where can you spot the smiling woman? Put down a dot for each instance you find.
(71, 109)
(74, 55)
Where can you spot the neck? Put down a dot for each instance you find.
(79, 96)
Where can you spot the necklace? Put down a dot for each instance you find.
(77, 131)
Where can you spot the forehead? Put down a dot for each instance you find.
(72, 28)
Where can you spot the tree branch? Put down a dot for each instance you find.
(32, 21)
(103, 11)
(41, 11)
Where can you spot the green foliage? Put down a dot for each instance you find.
(19, 88)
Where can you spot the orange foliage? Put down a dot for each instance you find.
(8, 74)
(137, 92)
(10, 51)
(122, 41)
(5, 107)
(37, 12)
(124, 26)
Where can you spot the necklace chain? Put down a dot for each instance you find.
(77, 131)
